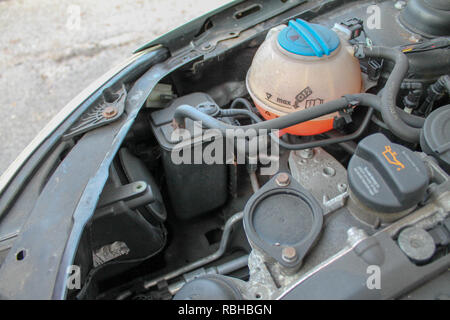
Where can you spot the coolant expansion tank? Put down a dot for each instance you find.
(301, 66)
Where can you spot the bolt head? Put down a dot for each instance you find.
(283, 179)
(109, 112)
(289, 254)
(306, 153)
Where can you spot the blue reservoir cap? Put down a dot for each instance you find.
(308, 39)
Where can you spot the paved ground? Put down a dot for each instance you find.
(51, 50)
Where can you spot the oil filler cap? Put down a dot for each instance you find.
(386, 177)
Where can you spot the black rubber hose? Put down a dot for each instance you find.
(328, 141)
(349, 146)
(239, 112)
(365, 99)
(243, 102)
(386, 105)
(388, 99)
(374, 101)
(409, 119)
(379, 122)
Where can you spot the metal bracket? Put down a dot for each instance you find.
(109, 110)
(133, 195)
(335, 203)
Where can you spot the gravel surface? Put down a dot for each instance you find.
(51, 50)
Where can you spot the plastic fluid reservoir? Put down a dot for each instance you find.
(301, 66)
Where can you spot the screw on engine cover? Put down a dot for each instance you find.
(283, 179)
(342, 187)
(306, 153)
(289, 254)
(417, 244)
(109, 112)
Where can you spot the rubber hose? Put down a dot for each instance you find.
(409, 119)
(388, 99)
(242, 101)
(366, 99)
(239, 112)
(328, 141)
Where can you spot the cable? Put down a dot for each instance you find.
(238, 112)
(244, 102)
(348, 146)
(254, 181)
(379, 122)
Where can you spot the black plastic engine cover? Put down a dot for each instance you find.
(386, 177)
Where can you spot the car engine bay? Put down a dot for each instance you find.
(350, 117)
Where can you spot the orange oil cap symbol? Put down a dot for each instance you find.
(391, 157)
